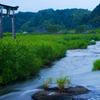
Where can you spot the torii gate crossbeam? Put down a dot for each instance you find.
(8, 9)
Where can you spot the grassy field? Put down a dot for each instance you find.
(25, 55)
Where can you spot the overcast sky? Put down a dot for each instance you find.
(36, 5)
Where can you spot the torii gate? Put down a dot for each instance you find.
(8, 9)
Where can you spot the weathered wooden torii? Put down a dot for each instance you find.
(8, 9)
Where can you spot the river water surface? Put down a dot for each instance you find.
(77, 64)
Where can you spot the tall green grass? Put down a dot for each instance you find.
(96, 65)
(23, 56)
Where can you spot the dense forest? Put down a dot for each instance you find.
(22, 18)
(64, 19)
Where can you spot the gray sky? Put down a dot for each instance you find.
(36, 5)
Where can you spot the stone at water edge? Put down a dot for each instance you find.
(67, 95)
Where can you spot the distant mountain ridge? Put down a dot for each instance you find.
(64, 19)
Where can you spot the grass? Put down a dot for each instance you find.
(62, 82)
(45, 83)
(96, 65)
(92, 42)
(24, 56)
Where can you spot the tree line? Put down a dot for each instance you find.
(67, 19)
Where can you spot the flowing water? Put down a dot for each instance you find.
(77, 64)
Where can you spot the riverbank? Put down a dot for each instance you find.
(25, 55)
(77, 64)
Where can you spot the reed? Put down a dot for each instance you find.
(62, 82)
(45, 83)
(24, 56)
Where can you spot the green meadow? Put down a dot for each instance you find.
(28, 53)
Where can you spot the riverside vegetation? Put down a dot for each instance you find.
(62, 92)
(62, 81)
(24, 56)
(96, 65)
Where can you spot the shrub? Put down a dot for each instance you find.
(91, 31)
(72, 32)
(77, 44)
(92, 42)
(80, 29)
(52, 28)
(45, 83)
(16, 63)
(62, 82)
(64, 32)
(97, 30)
(96, 65)
(25, 55)
(96, 38)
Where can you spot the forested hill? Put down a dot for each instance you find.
(68, 18)
(22, 18)
(64, 19)
(92, 20)
(29, 21)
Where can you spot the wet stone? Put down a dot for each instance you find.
(54, 94)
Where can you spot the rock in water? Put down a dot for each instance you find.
(52, 94)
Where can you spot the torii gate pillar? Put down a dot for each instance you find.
(13, 25)
(8, 9)
(1, 11)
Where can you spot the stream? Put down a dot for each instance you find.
(77, 64)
